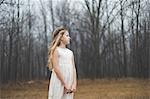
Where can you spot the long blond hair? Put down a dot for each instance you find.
(56, 36)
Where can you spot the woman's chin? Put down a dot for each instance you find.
(68, 42)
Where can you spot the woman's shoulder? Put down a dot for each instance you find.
(70, 51)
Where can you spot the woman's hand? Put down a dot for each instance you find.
(67, 89)
(73, 87)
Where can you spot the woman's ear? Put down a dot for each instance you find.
(61, 39)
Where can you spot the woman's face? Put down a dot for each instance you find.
(66, 38)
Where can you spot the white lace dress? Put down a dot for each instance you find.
(56, 89)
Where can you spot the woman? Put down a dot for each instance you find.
(63, 80)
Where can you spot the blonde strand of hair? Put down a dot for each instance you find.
(52, 48)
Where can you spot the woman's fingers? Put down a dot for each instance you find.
(73, 89)
(67, 91)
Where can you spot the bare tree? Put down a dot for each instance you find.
(45, 47)
(52, 13)
(123, 37)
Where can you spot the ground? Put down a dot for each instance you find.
(128, 88)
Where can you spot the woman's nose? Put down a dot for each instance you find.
(70, 38)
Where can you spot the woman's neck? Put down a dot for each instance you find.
(62, 45)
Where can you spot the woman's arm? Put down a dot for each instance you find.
(56, 67)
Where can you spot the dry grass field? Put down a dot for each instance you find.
(87, 89)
